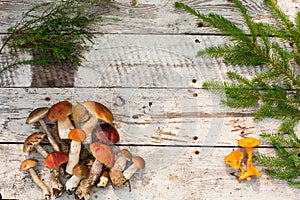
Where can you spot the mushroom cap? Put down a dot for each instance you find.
(80, 113)
(126, 154)
(27, 164)
(248, 142)
(81, 171)
(32, 140)
(99, 111)
(139, 162)
(103, 153)
(60, 111)
(77, 135)
(55, 159)
(107, 133)
(234, 159)
(37, 115)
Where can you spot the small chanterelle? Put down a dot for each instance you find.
(235, 158)
(82, 154)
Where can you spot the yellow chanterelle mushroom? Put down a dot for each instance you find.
(234, 160)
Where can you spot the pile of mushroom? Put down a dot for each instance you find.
(82, 154)
(235, 158)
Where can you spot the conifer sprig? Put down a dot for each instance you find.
(275, 93)
(55, 34)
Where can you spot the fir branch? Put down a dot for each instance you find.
(56, 33)
(275, 93)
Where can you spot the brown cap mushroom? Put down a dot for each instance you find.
(103, 153)
(55, 159)
(138, 163)
(106, 133)
(104, 156)
(38, 115)
(99, 111)
(60, 112)
(29, 164)
(80, 171)
(33, 141)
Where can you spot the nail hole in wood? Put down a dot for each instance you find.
(197, 152)
(47, 99)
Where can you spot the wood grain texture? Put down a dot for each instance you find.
(156, 16)
(168, 61)
(143, 116)
(171, 173)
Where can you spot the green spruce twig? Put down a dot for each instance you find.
(276, 91)
(55, 34)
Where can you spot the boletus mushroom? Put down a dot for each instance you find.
(138, 163)
(29, 164)
(76, 136)
(80, 171)
(60, 112)
(98, 112)
(33, 142)
(53, 161)
(104, 155)
(38, 115)
(106, 133)
(116, 172)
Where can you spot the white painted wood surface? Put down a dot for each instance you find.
(145, 70)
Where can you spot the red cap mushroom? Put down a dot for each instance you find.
(55, 159)
(98, 112)
(106, 133)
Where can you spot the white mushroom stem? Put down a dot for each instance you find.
(40, 183)
(86, 185)
(103, 180)
(129, 172)
(120, 163)
(74, 155)
(64, 128)
(49, 136)
(41, 150)
(56, 185)
(72, 184)
(88, 128)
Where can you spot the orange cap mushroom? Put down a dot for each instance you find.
(251, 171)
(249, 143)
(55, 159)
(77, 134)
(234, 160)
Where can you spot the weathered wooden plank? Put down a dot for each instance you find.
(155, 16)
(135, 61)
(143, 116)
(171, 173)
